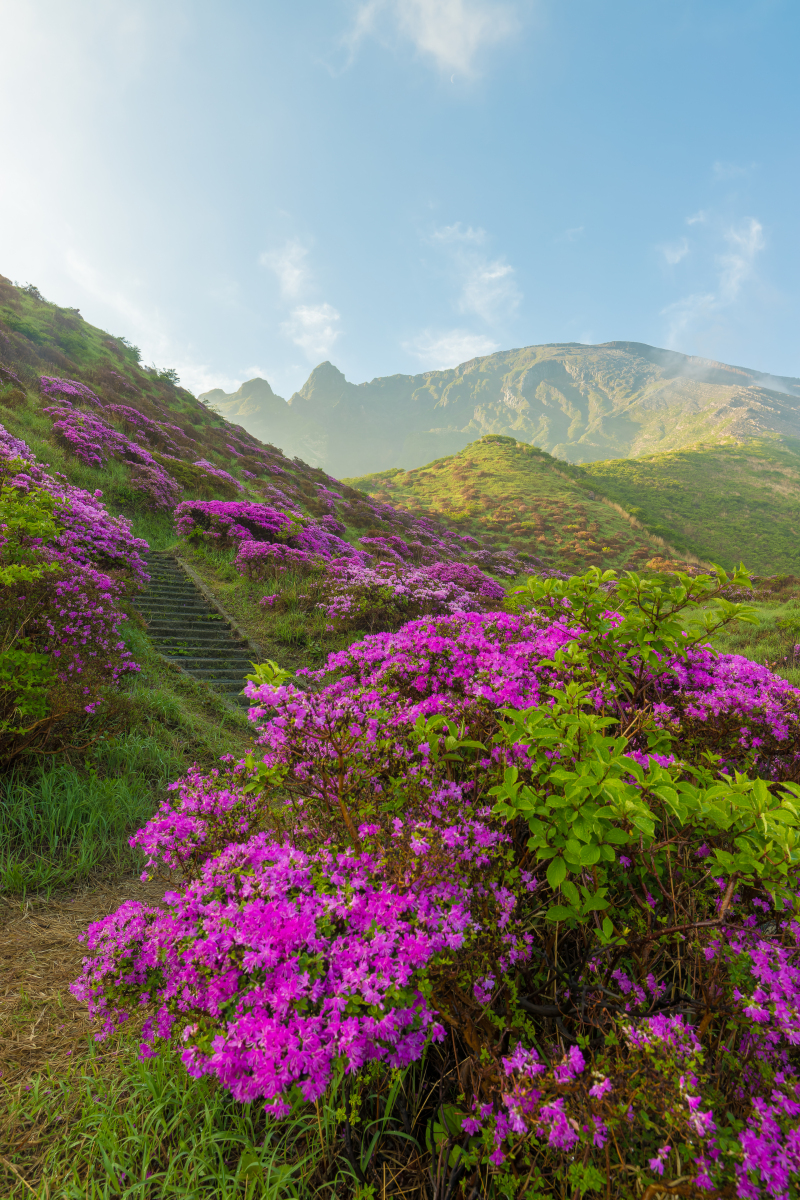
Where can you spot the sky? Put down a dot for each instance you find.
(248, 188)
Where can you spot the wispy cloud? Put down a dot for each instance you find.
(736, 264)
(571, 235)
(451, 32)
(674, 251)
(698, 218)
(288, 264)
(438, 351)
(729, 170)
(490, 290)
(314, 328)
(488, 287)
(459, 233)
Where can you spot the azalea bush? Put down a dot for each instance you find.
(65, 566)
(355, 596)
(553, 851)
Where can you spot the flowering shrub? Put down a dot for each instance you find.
(500, 823)
(59, 624)
(355, 596)
(228, 522)
(71, 390)
(266, 560)
(59, 603)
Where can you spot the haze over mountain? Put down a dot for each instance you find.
(580, 403)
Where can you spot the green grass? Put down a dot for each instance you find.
(67, 820)
(113, 1127)
(117, 1128)
(726, 503)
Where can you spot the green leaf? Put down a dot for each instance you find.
(556, 873)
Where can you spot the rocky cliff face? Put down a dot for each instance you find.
(580, 403)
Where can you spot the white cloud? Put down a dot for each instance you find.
(572, 235)
(458, 233)
(289, 266)
(490, 290)
(451, 32)
(698, 218)
(200, 377)
(312, 327)
(729, 170)
(745, 243)
(674, 251)
(438, 351)
(736, 265)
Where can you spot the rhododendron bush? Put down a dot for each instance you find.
(552, 850)
(65, 564)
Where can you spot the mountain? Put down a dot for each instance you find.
(580, 403)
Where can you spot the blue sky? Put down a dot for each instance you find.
(397, 185)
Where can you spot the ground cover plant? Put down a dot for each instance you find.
(553, 845)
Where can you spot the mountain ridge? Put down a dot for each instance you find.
(582, 403)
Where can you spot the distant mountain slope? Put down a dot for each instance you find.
(727, 502)
(497, 488)
(580, 403)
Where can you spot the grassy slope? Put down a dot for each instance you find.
(520, 496)
(726, 502)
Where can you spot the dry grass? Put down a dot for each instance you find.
(45, 1033)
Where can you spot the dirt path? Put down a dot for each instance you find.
(40, 1021)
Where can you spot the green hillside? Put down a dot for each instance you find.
(724, 502)
(502, 490)
(580, 403)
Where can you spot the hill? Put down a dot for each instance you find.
(724, 502)
(502, 490)
(85, 405)
(580, 403)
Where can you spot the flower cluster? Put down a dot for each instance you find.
(315, 960)
(93, 441)
(69, 390)
(356, 596)
(229, 522)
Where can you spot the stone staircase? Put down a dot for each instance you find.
(188, 631)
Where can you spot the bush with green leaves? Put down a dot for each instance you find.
(557, 845)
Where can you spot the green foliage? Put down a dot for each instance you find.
(580, 815)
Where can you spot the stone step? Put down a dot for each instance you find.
(167, 630)
(187, 630)
(202, 661)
